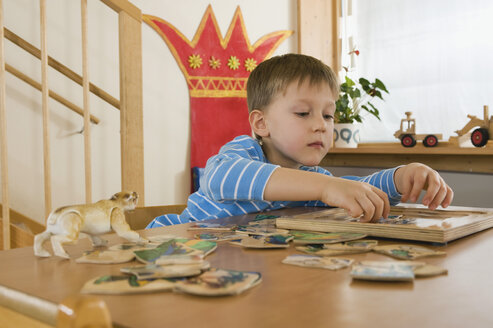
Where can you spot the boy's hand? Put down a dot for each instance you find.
(360, 199)
(412, 178)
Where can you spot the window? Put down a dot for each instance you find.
(435, 57)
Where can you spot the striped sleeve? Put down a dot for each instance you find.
(383, 180)
(237, 173)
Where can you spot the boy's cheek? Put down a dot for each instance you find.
(330, 138)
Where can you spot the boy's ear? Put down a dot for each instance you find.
(258, 124)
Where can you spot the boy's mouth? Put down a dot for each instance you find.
(317, 144)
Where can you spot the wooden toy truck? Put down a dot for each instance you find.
(483, 132)
(408, 136)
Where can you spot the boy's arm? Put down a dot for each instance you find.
(359, 199)
(239, 172)
(233, 178)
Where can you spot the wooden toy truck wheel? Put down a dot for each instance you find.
(408, 141)
(430, 141)
(479, 137)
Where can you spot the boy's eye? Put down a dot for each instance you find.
(302, 114)
(328, 117)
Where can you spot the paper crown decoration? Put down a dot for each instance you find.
(216, 71)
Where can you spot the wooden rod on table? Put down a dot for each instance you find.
(17, 40)
(52, 94)
(87, 112)
(46, 112)
(3, 143)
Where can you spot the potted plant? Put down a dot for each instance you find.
(353, 99)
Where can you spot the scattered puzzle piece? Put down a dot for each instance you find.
(125, 284)
(211, 226)
(217, 236)
(153, 271)
(311, 237)
(206, 246)
(346, 248)
(260, 230)
(331, 263)
(382, 271)
(219, 282)
(259, 241)
(169, 252)
(407, 252)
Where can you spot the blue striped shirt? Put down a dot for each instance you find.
(234, 180)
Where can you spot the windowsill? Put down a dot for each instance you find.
(444, 156)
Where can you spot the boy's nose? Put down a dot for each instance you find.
(319, 124)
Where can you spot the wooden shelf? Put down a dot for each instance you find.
(444, 157)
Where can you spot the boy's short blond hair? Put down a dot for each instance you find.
(275, 74)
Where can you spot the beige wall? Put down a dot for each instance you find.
(166, 104)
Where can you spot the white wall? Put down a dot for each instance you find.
(166, 104)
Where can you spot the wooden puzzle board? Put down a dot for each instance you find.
(411, 223)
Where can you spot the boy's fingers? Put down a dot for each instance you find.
(433, 188)
(354, 209)
(379, 206)
(405, 195)
(448, 199)
(439, 198)
(418, 184)
(383, 201)
(406, 189)
(386, 204)
(368, 209)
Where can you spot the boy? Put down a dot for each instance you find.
(291, 101)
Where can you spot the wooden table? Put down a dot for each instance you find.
(289, 296)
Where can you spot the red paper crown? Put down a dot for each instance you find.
(213, 66)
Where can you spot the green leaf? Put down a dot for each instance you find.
(364, 82)
(379, 84)
(377, 94)
(374, 111)
(354, 94)
(374, 108)
(349, 82)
